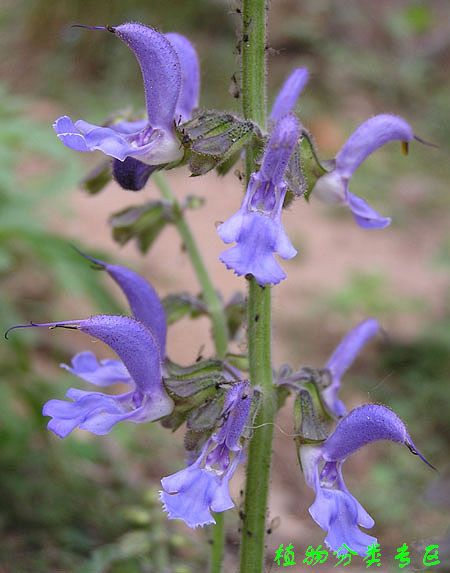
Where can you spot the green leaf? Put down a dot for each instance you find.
(239, 361)
(97, 179)
(207, 416)
(177, 306)
(311, 166)
(309, 417)
(143, 223)
(185, 381)
(236, 313)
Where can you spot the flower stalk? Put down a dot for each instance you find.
(254, 20)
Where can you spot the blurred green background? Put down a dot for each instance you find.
(90, 505)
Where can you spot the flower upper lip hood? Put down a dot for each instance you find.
(335, 509)
(289, 93)
(170, 72)
(368, 137)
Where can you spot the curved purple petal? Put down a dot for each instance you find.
(190, 76)
(131, 174)
(363, 425)
(350, 346)
(288, 95)
(160, 68)
(143, 299)
(364, 215)
(101, 373)
(342, 358)
(368, 137)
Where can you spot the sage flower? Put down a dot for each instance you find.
(369, 136)
(257, 227)
(170, 72)
(202, 487)
(138, 341)
(342, 358)
(335, 509)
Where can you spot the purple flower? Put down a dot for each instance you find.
(139, 343)
(335, 509)
(369, 136)
(288, 95)
(170, 72)
(342, 358)
(202, 487)
(256, 227)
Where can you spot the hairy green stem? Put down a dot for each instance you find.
(219, 328)
(254, 18)
(218, 543)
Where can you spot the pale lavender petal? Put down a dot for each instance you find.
(336, 512)
(364, 215)
(101, 373)
(283, 245)
(254, 252)
(131, 174)
(363, 519)
(287, 97)
(97, 138)
(368, 137)
(342, 358)
(190, 76)
(191, 494)
(160, 68)
(94, 411)
(153, 146)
